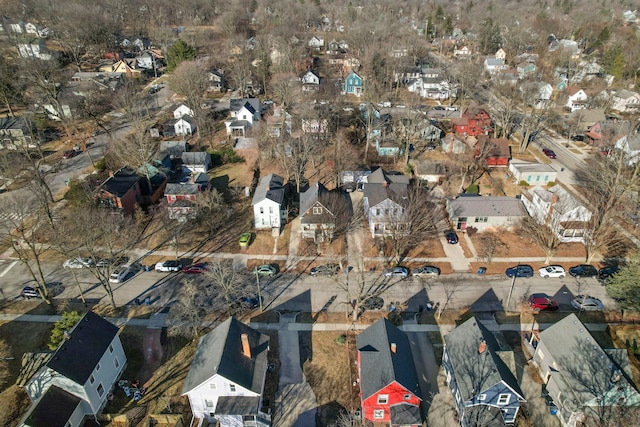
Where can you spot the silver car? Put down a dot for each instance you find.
(587, 303)
(399, 271)
(426, 271)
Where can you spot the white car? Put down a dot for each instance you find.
(124, 273)
(168, 266)
(552, 271)
(78, 263)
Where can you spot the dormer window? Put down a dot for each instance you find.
(317, 211)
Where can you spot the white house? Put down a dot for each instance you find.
(244, 113)
(269, 203)
(196, 161)
(501, 54)
(532, 173)
(384, 202)
(316, 43)
(576, 99)
(33, 49)
(538, 93)
(494, 65)
(181, 111)
(184, 126)
(75, 383)
(462, 53)
(562, 212)
(430, 84)
(226, 379)
(310, 81)
(630, 147)
(625, 101)
(485, 213)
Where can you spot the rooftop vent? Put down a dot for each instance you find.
(482, 347)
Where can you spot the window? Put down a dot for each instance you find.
(116, 363)
(261, 210)
(232, 388)
(110, 348)
(100, 390)
(406, 397)
(208, 403)
(482, 396)
(378, 414)
(378, 212)
(503, 399)
(317, 211)
(481, 219)
(92, 379)
(270, 209)
(383, 399)
(97, 367)
(212, 386)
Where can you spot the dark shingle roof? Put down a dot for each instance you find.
(405, 414)
(220, 352)
(270, 187)
(379, 365)
(475, 371)
(121, 182)
(236, 104)
(237, 405)
(179, 189)
(195, 158)
(54, 409)
(381, 186)
(78, 356)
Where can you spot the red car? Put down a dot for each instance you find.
(196, 268)
(69, 154)
(549, 153)
(540, 302)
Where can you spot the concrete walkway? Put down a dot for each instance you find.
(295, 402)
(453, 254)
(294, 242)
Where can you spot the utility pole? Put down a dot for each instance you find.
(513, 284)
(259, 291)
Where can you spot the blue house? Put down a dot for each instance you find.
(353, 84)
(479, 373)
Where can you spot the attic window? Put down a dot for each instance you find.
(383, 399)
(92, 379)
(97, 367)
(317, 211)
(503, 399)
(110, 348)
(232, 388)
(406, 397)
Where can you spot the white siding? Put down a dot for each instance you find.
(203, 392)
(267, 214)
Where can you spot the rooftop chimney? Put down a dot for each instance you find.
(246, 349)
(482, 347)
(394, 347)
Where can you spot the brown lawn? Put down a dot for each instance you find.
(431, 248)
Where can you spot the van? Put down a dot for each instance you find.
(124, 273)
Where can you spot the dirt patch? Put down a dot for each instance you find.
(13, 403)
(430, 248)
(326, 365)
(34, 338)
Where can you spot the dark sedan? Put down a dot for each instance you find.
(583, 270)
(549, 153)
(519, 271)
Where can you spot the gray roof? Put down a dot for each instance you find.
(196, 158)
(489, 206)
(426, 167)
(21, 123)
(186, 188)
(236, 104)
(237, 405)
(583, 368)
(379, 365)
(173, 148)
(78, 355)
(381, 186)
(220, 352)
(54, 409)
(270, 187)
(405, 414)
(476, 372)
(524, 167)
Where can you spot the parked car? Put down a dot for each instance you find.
(29, 292)
(325, 270)
(583, 270)
(606, 273)
(154, 89)
(249, 302)
(78, 263)
(552, 271)
(106, 262)
(373, 303)
(587, 303)
(541, 302)
(169, 266)
(69, 154)
(265, 270)
(198, 268)
(426, 271)
(549, 153)
(245, 240)
(521, 270)
(53, 289)
(124, 273)
(397, 271)
(452, 237)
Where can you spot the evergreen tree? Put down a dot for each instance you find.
(68, 321)
(624, 286)
(178, 52)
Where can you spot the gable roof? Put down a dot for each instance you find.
(270, 187)
(53, 409)
(78, 356)
(220, 352)
(236, 104)
(311, 196)
(488, 206)
(382, 186)
(181, 189)
(195, 158)
(477, 371)
(523, 166)
(583, 368)
(379, 365)
(498, 147)
(121, 182)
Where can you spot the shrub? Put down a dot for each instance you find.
(523, 183)
(551, 184)
(68, 321)
(473, 189)
(101, 164)
(341, 339)
(224, 156)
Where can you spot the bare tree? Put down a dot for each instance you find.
(544, 235)
(190, 80)
(450, 288)
(488, 245)
(534, 116)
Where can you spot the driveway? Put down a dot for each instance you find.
(355, 238)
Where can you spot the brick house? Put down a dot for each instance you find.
(475, 121)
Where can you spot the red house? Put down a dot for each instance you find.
(474, 121)
(389, 388)
(496, 151)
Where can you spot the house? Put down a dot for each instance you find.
(244, 113)
(582, 382)
(430, 84)
(196, 161)
(217, 80)
(454, 144)
(16, 132)
(74, 385)
(479, 372)
(310, 81)
(185, 125)
(384, 198)
(34, 48)
(270, 203)
(353, 84)
(149, 60)
(474, 121)
(128, 67)
(85, 82)
(316, 43)
(507, 76)
(496, 151)
(181, 197)
(315, 126)
(430, 171)
(463, 53)
(605, 132)
(319, 209)
(532, 173)
(174, 149)
(562, 212)
(182, 111)
(120, 191)
(226, 379)
(389, 386)
(625, 101)
(485, 213)
(526, 69)
(629, 146)
(501, 54)
(493, 65)
(577, 99)
(538, 94)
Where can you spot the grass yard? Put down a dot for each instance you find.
(326, 365)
